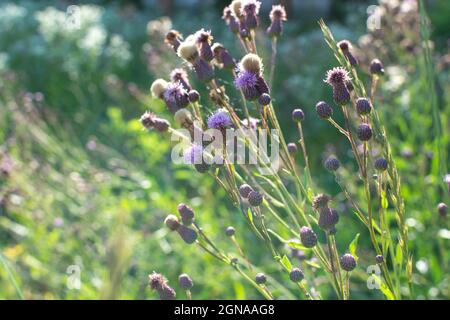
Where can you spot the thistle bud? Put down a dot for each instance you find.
(298, 115)
(161, 125)
(156, 281)
(244, 190)
(308, 237)
(264, 99)
(148, 120)
(255, 198)
(180, 75)
(381, 164)
(187, 50)
(260, 278)
(186, 213)
(231, 20)
(337, 78)
(323, 110)
(379, 259)
(187, 234)
(194, 96)
(167, 293)
(230, 231)
(376, 67)
(223, 57)
(442, 209)
(185, 281)
(328, 218)
(249, 11)
(363, 106)
(296, 275)
(332, 164)
(345, 47)
(348, 262)
(292, 148)
(364, 132)
(172, 222)
(203, 70)
(204, 40)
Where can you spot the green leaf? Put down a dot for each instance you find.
(384, 288)
(277, 235)
(286, 263)
(398, 255)
(250, 215)
(313, 264)
(296, 245)
(384, 201)
(353, 246)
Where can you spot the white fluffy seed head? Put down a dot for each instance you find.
(236, 6)
(252, 62)
(158, 87)
(188, 49)
(183, 117)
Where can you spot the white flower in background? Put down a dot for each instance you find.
(10, 14)
(396, 77)
(94, 39)
(118, 49)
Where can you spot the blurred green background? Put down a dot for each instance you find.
(82, 184)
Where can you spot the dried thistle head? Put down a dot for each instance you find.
(158, 88)
(156, 281)
(252, 62)
(321, 201)
(183, 117)
(278, 12)
(250, 7)
(148, 120)
(236, 6)
(203, 36)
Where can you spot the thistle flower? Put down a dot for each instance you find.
(264, 99)
(442, 209)
(231, 20)
(167, 293)
(188, 51)
(156, 281)
(328, 218)
(249, 11)
(194, 96)
(308, 237)
(345, 47)
(320, 201)
(292, 148)
(379, 259)
(298, 115)
(337, 78)
(158, 88)
(149, 120)
(332, 164)
(176, 97)
(173, 39)
(244, 190)
(236, 6)
(187, 234)
(229, 231)
(296, 275)
(185, 281)
(204, 39)
(324, 110)
(348, 262)
(220, 119)
(255, 198)
(381, 164)
(260, 278)
(363, 106)
(172, 222)
(364, 132)
(277, 16)
(203, 70)
(193, 154)
(223, 57)
(180, 75)
(247, 82)
(186, 213)
(376, 67)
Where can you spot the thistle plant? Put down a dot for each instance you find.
(285, 205)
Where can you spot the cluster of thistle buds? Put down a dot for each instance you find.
(159, 283)
(188, 234)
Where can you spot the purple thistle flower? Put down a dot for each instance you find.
(223, 57)
(250, 10)
(277, 16)
(219, 120)
(180, 75)
(231, 20)
(203, 40)
(176, 96)
(247, 81)
(193, 154)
